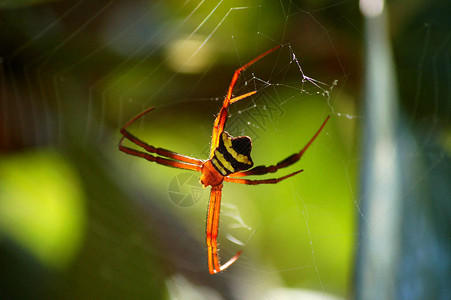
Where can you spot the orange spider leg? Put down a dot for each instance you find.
(160, 160)
(261, 170)
(151, 149)
(260, 181)
(214, 208)
(242, 97)
(220, 120)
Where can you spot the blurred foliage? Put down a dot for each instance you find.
(41, 206)
(22, 3)
(90, 222)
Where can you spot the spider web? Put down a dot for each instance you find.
(73, 73)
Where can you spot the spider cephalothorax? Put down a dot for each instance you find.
(229, 161)
(231, 155)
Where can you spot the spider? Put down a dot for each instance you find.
(229, 161)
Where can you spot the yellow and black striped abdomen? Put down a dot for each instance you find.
(232, 154)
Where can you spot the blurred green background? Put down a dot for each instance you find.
(79, 219)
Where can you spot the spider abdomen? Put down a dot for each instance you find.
(233, 154)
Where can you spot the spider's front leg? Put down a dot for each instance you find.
(214, 208)
(231, 155)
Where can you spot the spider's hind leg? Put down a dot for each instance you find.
(221, 119)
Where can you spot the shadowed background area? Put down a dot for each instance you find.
(79, 219)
